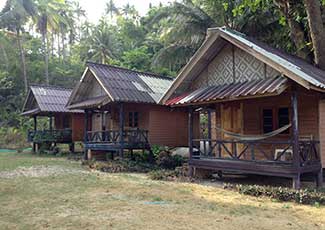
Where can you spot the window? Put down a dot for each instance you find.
(66, 122)
(133, 119)
(274, 118)
(283, 118)
(267, 120)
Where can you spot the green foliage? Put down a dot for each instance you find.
(166, 160)
(304, 196)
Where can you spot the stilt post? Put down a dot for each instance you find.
(295, 136)
(35, 129)
(85, 135)
(121, 129)
(190, 138)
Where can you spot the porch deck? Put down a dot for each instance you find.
(50, 136)
(272, 158)
(110, 140)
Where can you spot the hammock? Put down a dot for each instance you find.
(254, 137)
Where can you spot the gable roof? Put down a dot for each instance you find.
(47, 99)
(124, 85)
(292, 67)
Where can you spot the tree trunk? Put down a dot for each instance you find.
(5, 56)
(59, 48)
(317, 31)
(23, 61)
(287, 7)
(63, 45)
(46, 57)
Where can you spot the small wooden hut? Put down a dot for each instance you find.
(64, 126)
(265, 108)
(121, 111)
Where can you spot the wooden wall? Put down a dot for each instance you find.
(322, 130)
(77, 126)
(166, 126)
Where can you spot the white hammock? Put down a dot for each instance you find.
(254, 137)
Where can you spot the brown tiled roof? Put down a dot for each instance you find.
(239, 90)
(47, 99)
(126, 85)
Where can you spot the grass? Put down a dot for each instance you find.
(92, 200)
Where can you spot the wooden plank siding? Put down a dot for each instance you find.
(167, 127)
(322, 130)
(77, 126)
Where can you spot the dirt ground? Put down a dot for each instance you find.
(53, 193)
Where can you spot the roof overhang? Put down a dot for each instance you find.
(231, 92)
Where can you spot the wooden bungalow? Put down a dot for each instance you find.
(265, 108)
(64, 126)
(121, 111)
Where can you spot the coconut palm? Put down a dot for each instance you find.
(13, 17)
(103, 43)
(111, 8)
(48, 19)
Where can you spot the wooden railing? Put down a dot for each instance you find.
(266, 151)
(136, 136)
(55, 135)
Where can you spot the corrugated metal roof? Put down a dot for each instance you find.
(48, 99)
(126, 85)
(234, 91)
(95, 101)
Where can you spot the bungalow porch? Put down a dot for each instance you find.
(242, 132)
(122, 113)
(48, 103)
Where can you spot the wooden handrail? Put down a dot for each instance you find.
(255, 151)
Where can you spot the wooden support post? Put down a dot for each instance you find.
(103, 127)
(190, 138)
(85, 135)
(35, 129)
(121, 129)
(295, 136)
(51, 123)
(209, 130)
(319, 178)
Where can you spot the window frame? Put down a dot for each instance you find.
(133, 119)
(275, 120)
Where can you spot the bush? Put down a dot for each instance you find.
(12, 138)
(179, 174)
(166, 160)
(304, 196)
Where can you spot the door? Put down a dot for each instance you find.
(231, 120)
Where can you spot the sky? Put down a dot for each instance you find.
(95, 8)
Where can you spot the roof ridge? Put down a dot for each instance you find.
(50, 86)
(130, 70)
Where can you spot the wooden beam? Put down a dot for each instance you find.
(121, 128)
(190, 137)
(51, 122)
(85, 134)
(295, 135)
(35, 129)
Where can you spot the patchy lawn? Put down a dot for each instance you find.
(53, 193)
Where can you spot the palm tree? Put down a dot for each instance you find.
(184, 25)
(111, 8)
(48, 19)
(13, 16)
(103, 43)
(184, 29)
